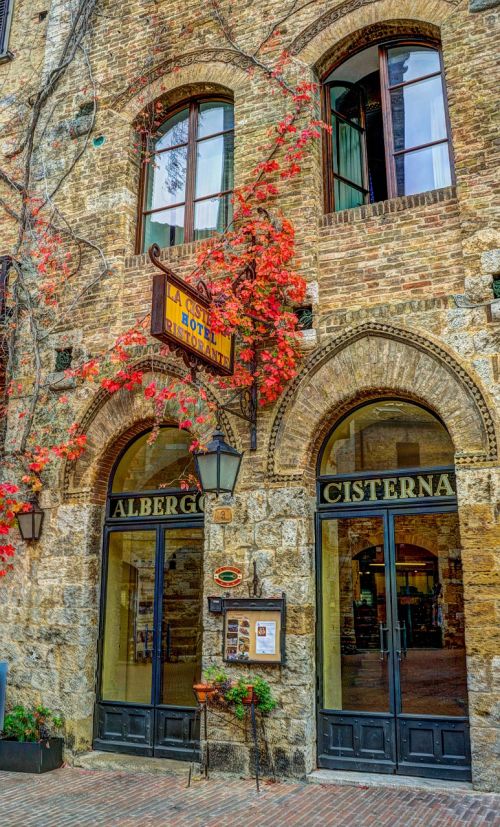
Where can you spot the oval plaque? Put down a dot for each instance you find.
(228, 576)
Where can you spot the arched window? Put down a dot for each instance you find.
(390, 134)
(188, 175)
(387, 434)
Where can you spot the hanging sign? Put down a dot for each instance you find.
(408, 487)
(180, 317)
(228, 576)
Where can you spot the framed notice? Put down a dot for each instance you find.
(254, 630)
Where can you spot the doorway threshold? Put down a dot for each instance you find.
(96, 760)
(396, 782)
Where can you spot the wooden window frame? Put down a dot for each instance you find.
(385, 89)
(190, 199)
(331, 174)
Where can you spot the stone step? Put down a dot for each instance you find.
(97, 760)
(375, 779)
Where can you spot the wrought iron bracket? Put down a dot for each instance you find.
(243, 404)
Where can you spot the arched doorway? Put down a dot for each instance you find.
(392, 673)
(150, 628)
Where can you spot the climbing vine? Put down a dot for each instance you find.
(249, 270)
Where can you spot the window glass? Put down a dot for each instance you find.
(423, 170)
(214, 117)
(167, 178)
(164, 228)
(149, 466)
(346, 196)
(201, 136)
(346, 101)
(418, 113)
(214, 167)
(174, 131)
(372, 124)
(409, 62)
(372, 438)
(127, 660)
(212, 215)
(348, 152)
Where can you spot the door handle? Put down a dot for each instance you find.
(402, 648)
(383, 649)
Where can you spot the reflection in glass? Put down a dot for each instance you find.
(212, 215)
(431, 614)
(181, 637)
(418, 113)
(174, 131)
(423, 170)
(214, 169)
(345, 99)
(387, 434)
(164, 228)
(167, 178)
(410, 62)
(214, 117)
(128, 619)
(148, 466)
(354, 619)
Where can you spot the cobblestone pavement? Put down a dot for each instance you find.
(80, 797)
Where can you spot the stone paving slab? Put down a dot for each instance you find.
(73, 797)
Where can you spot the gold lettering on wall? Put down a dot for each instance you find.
(383, 489)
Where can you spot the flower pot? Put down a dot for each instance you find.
(249, 697)
(202, 691)
(29, 756)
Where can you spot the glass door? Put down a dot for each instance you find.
(179, 655)
(429, 638)
(356, 698)
(150, 641)
(393, 694)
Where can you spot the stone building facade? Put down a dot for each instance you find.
(402, 296)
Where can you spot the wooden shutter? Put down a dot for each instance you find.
(4, 18)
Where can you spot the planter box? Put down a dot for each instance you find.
(31, 757)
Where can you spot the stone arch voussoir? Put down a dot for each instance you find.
(349, 16)
(109, 422)
(223, 68)
(372, 361)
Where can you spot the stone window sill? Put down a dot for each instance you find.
(392, 205)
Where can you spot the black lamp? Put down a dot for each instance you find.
(30, 522)
(218, 466)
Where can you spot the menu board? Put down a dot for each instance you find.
(252, 635)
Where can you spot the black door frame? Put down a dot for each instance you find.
(394, 729)
(141, 725)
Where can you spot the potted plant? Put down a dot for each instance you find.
(243, 692)
(213, 678)
(27, 743)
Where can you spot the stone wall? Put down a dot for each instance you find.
(383, 279)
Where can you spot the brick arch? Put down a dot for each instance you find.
(373, 361)
(109, 422)
(317, 39)
(217, 68)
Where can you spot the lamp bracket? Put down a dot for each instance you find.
(243, 404)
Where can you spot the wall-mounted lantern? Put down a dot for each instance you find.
(218, 466)
(30, 522)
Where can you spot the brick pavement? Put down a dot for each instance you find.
(81, 798)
